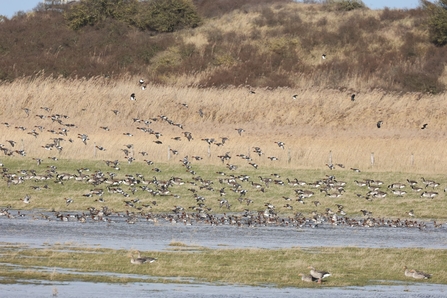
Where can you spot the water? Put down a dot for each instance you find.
(147, 236)
(101, 290)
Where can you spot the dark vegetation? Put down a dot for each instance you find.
(114, 38)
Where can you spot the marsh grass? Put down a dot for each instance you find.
(349, 266)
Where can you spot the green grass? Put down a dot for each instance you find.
(52, 198)
(349, 266)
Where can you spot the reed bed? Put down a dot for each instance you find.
(316, 126)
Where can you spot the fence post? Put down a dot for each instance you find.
(289, 156)
(330, 157)
(412, 159)
(372, 158)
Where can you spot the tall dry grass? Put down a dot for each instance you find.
(319, 124)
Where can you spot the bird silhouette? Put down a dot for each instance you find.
(424, 126)
(379, 123)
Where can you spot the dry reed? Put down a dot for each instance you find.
(319, 124)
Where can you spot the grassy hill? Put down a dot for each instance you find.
(262, 44)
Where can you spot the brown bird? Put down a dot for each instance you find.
(420, 274)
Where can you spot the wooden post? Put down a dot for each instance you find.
(289, 156)
(412, 159)
(209, 150)
(372, 158)
(330, 157)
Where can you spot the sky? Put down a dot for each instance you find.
(9, 7)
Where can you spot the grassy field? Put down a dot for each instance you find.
(348, 266)
(48, 195)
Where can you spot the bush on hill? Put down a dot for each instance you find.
(167, 15)
(156, 15)
(437, 22)
(344, 5)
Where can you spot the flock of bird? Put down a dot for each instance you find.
(129, 186)
(141, 195)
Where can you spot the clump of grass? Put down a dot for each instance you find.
(178, 243)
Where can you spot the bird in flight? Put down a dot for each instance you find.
(280, 144)
(240, 131)
(424, 126)
(379, 124)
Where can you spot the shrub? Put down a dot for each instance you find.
(216, 8)
(437, 21)
(344, 5)
(156, 15)
(91, 12)
(168, 15)
(392, 14)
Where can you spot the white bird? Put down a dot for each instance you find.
(26, 199)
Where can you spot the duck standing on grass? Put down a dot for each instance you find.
(141, 260)
(319, 275)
